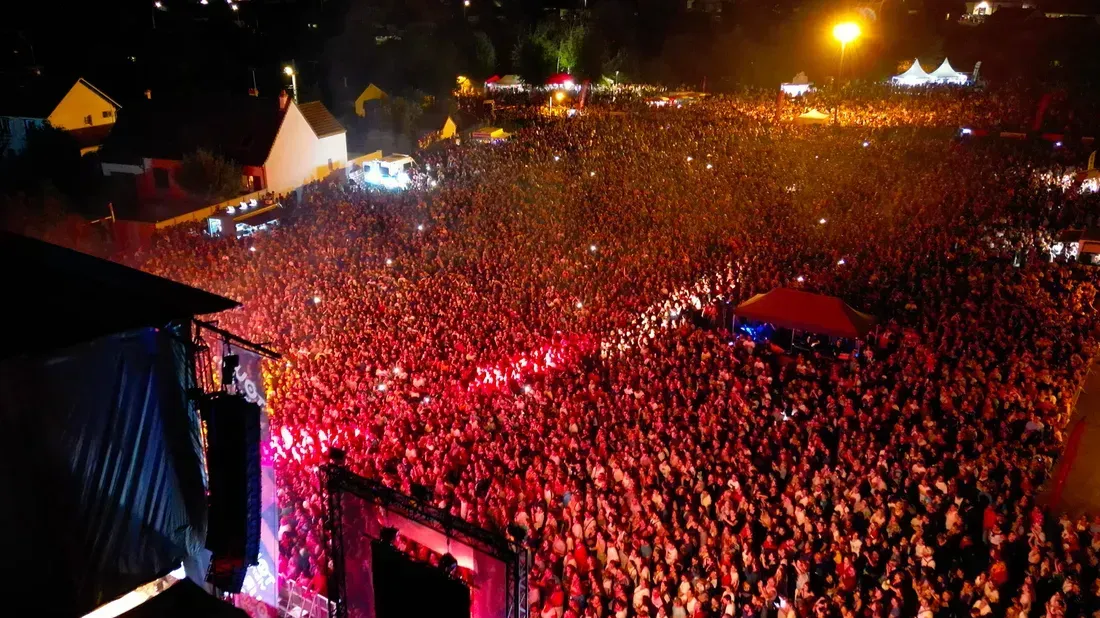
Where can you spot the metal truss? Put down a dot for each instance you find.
(338, 480)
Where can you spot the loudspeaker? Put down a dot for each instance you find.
(233, 496)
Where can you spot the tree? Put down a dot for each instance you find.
(485, 57)
(209, 176)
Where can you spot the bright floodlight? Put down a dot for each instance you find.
(289, 70)
(800, 279)
(592, 248)
(846, 32)
(235, 7)
(389, 262)
(252, 249)
(420, 228)
(821, 221)
(580, 305)
(840, 262)
(559, 97)
(316, 300)
(157, 4)
(466, 3)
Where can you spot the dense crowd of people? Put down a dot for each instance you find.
(536, 341)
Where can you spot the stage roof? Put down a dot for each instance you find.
(816, 313)
(58, 296)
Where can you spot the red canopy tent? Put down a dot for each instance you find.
(816, 313)
(492, 80)
(561, 79)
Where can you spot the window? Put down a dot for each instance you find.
(160, 177)
(109, 114)
(88, 120)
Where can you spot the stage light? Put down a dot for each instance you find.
(821, 221)
(866, 144)
(1057, 144)
(846, 32)
(389, 262)
(840, 262)
(559, 97)
(592, 248)
(316, 300)
(420, 228)
(557, 158)
(966, 131)
(580, 305)
(800, 279)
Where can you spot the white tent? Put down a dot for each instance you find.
(947, 75)
(508, 81)
(913, 76)
(813, 117)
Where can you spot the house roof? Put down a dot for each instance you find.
(240, 128)
(88, 137)
(38, 96)
(320, 119)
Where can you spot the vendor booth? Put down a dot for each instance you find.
(945, 74)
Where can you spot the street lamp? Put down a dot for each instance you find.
(465, 5)
(289, 70)
(845, 32)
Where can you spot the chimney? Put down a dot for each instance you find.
(284, 100)
(148, 94)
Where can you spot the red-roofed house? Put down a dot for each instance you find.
(279, 146)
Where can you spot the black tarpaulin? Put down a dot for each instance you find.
(101, 469)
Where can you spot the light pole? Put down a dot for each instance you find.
(845, 33)
(465, 5)
(289, 70)
(156, 5)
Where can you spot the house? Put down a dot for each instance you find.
(278, 144)
(74, 106)
(370, 93)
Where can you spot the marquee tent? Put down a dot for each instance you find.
(797, 310)
(561, 79)
(913, 76)
(508, 81)
(813, 117)
(945, 74)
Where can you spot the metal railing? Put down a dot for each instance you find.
(298, 601)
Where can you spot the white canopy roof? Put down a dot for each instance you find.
(813, 117)
(945, 73)
(914, 74)
(509, 80)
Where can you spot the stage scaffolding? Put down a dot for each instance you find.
(337, 480)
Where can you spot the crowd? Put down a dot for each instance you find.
(534, 341)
